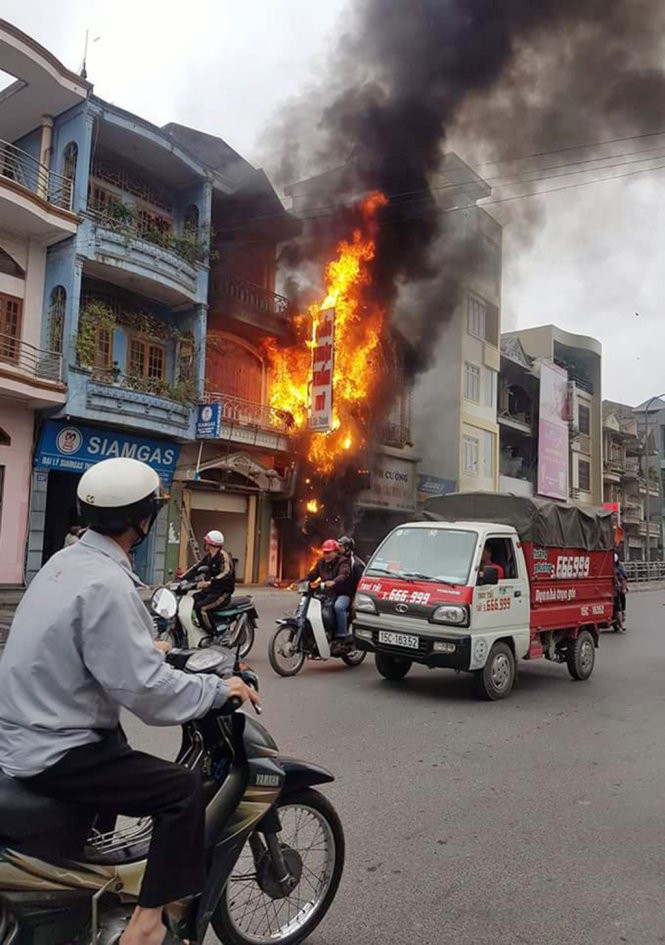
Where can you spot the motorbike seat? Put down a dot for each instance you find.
(34, 823)
(237, 603)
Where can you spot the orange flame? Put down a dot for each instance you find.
(312, 506)
(358, 337)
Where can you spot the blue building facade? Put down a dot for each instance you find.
(126, 301)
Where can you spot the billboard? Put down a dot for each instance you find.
(553, 447)
(323, 365)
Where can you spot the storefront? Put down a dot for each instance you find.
(16, 436)
(390, 500)
(64, 451)
(230, 492)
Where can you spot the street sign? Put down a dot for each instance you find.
(323, 364)
(209, 422)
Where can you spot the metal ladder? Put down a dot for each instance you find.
(191, 537)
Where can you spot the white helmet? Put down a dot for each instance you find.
(117, 494)
(214, 538)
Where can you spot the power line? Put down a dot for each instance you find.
(572, 147)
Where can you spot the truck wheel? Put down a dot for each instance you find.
(497, 677)
(392, 667)
(581, 656)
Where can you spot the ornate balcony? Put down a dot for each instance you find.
(250, 303)
(247, 422)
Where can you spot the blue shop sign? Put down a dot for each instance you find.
(435, 485)
(209, 422)
(74, 447)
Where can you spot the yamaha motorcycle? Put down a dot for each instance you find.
(308, 634)
(275, 846)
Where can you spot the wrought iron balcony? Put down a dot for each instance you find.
(252, 298)
(29, 360)
(246, 413)
(31, 174)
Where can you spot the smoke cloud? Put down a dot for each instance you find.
(490, 77)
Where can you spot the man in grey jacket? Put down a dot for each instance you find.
(80, 648)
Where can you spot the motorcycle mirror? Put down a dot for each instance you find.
(163, 603)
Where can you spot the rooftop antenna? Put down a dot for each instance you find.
(84, 67)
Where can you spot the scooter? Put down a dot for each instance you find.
(308, 634)
(234, 625)
(275, 847)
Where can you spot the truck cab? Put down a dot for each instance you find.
(429, 595)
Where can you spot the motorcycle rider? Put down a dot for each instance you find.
(79, 649)
(215, 590)
(333, 569)
(348, 547)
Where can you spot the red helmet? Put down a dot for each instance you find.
(330, 545)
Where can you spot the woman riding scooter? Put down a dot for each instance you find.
(215, 589)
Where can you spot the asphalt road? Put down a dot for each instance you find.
(536, 820)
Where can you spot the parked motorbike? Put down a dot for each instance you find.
(234, 625)
(275, 846)
(308, 634)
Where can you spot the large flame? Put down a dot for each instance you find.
(358, 337)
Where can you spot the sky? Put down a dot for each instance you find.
(592, 263)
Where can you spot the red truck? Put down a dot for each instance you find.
(487, 580)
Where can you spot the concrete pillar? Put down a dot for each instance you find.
(45, 150)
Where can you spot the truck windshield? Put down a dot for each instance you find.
(437, 554)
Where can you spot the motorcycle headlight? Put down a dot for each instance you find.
(451, 614)
(364, 604)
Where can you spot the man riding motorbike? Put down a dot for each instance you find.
(348, 547)
(215, 590)
(79, 649)
(334, 571)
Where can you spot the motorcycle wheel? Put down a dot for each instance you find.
(285, 664)
(354, 657)
(252, 911)
(246, 633)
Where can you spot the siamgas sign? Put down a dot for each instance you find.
(74, 448)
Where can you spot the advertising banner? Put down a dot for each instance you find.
(553, 447)
(323, 365)
(74, 447)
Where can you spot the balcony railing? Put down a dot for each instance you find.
(253, 297)
(28, 172)
(631, 515)
(26, 358)
(631, 466)
(246, 413)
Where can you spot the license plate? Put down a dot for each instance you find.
(398, 639)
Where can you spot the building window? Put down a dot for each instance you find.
(233, 370)
(472, 383)
(490, 262)
(146, 359)
(584, 420)
(56, 320)
(192, 219)
(471, 456)
(489, 381)
(69, 170)
(476, 317)
(584, 476)
(11, 310)
(103, 349)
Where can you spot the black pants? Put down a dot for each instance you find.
(108, 777)
(207, 601)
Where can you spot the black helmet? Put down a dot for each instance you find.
(346, 543)
(117, 494)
